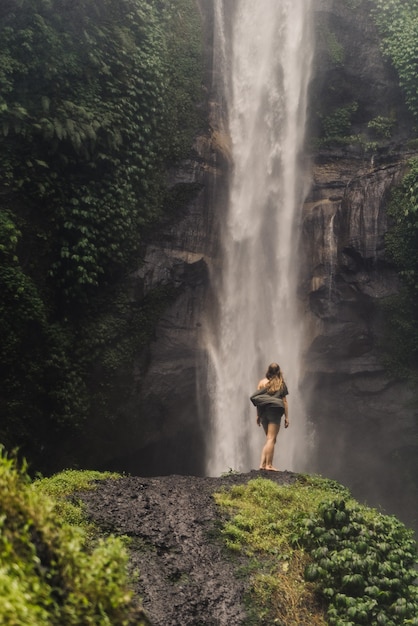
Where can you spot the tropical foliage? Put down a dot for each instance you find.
(97, 98)
(53, 572)
(398, 25)
(317, 557)
(402, 247)
(363, 565)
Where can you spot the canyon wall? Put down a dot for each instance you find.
(363, 422)
(164, 431)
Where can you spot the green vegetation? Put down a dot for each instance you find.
(401, 348)
(363, 565)
(313, 555)
(337, 125)
(398, 25)
(97, 99)
(403, 238)
(317, 557)
(335, 49)
(265, 521)
(336, 129)
(382, 126)
(51, 572)
(60, 486)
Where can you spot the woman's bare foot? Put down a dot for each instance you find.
(262, 467)
(270, 468)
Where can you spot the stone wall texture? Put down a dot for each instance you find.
(364, 422)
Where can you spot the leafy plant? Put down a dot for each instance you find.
(401, 241)
(48, 574)
(363, 564)
(358, 565)
(334, 47)
(382, 126)
(398, 24)
(338, 123)
(97, 99)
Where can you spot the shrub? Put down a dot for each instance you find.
(97, 99)
(363, 565)
(337, 124)
(48, 576)
(317, 557)
(401, 345)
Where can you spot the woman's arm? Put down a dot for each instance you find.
(286, 412)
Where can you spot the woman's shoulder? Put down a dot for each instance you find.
(263, 382)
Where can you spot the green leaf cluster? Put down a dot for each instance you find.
(398, 24)
(382, 126)
(334, 47)
(50, 571)
(401, 348)
(318, 557)
(90, 110)
(337, 125)
(363, 564)
(97, 99)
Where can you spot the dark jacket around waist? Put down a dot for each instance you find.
(262, 399)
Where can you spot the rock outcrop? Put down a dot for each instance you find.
(183, 574)
(165, 433)
(364, 420)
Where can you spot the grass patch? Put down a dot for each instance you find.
(317, 557)
(61, 488)
(263, 523)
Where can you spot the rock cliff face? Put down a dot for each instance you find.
(364, 421)
(165, 434)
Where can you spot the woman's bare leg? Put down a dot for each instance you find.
(268, 450)
(263, 454)
(263, 460)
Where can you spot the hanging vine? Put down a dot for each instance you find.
(97, 97)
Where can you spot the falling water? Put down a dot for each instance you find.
(330, 248)
(265, 53)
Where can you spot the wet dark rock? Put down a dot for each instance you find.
(354, 404)
(345, 277)
(186, 577)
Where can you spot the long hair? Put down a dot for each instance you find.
(275, 378)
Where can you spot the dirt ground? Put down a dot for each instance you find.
(185, 576)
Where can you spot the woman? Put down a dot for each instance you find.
(271, 402)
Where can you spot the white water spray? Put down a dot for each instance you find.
(266, 70)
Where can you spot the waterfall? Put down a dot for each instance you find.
(265, 68)
(330, 248)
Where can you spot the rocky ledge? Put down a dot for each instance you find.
(185, 577)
